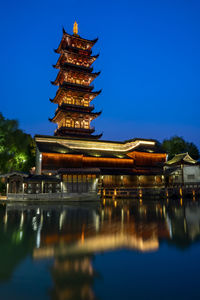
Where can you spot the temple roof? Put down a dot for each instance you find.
(77, 87)
(61, 92)
(14, 173)
(58, 148)
(125, 165)
(182, 158)
(80, 133)
(79, 38)
(65, 51)
(66, 69)
(71, 66)
(66, 43)
(75, 108)
(116, 148)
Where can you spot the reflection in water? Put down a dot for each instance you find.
(72, 236)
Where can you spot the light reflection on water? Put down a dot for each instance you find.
(63, 251)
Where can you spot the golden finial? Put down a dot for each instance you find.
(75, 28)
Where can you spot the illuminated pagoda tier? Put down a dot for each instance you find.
(74, 113)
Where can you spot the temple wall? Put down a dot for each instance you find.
(191, 173)
(129, 181)
(51, 161)
(147, 159)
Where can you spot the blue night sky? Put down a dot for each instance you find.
(149, 62)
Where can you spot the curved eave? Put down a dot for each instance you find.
(77, 87)
(78, 108)
(90, 58)
(65, 90)
(54, 82)
(66, 109)
(74, 69)
(67, 65)
(59, 111)
(78, 37)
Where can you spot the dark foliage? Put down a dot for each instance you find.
(17, 149)
(177, 145)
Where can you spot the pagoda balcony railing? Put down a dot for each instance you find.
(78, 50)
(75, 85)
(75, 107)
(86, 130)
(75, 66)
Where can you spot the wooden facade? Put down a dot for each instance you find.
(134, 163)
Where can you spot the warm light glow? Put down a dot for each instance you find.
(100, 145)
(75, 28)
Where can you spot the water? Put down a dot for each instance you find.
(113, 250)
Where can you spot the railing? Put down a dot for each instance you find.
(151, 192)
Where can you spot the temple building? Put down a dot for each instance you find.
(182, 169)
(75, 153)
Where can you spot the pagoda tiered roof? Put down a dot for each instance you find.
(77, 87)
(90, 59)
(78, 108)
(80, 38)
(67, 65)
(67, 39)
(66, 70)
(63, 110)
(63, 91)
(80, 133)
(76, 132)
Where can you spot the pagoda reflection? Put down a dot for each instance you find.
(82, 232)
(71, 236)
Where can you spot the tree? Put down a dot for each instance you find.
(177, 145)
(17, 150)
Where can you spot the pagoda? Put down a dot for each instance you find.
(74, 113)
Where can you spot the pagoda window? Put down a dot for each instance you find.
(86, 125)
(77, 124)
(78, 102)
(68, 123)
(68, 100)
(86, 103)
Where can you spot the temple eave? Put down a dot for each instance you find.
(79, 37)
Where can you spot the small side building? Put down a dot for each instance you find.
(182, 169)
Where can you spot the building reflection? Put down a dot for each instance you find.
(73, 235)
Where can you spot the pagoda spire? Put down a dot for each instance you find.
(75, 28)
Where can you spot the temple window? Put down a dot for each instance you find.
(78, 102)
(77, 124)
(68, 123)
(68, 100)
(87, 125)
(86, 103)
